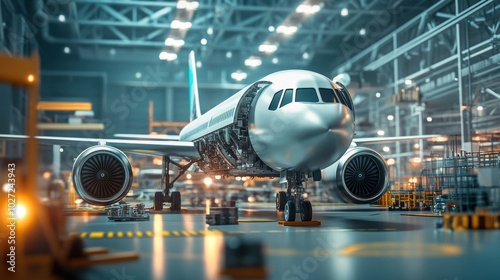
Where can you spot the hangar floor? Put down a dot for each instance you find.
(352, 243)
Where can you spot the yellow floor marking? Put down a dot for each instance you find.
(202, 232)
(119, 234)
(176, 233)
(130, 234)
(166, 233)
(283, 252)
(272, 231)
(302, 230)
(402, 249)
(149, 233)
(389, 228)
(110, 234)
(139, 233)
(185, 233)
(255, 220)
(193, 232)
(83, 235)
(255, 231)
(98, 234)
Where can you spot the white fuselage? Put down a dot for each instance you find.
(298, 121)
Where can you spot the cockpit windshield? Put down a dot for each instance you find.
(328, 95)
(306, 95)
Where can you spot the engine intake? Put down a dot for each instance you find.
(102, 175)
(359, 176)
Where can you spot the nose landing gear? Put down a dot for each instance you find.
(292, 202)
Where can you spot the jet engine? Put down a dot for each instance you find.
(359, 176)
(102, 175)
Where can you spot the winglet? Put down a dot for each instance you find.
(194, 100)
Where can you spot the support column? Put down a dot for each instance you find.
(56, 161)
(397, 116)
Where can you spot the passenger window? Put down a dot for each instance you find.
(276, 100)
(287, 98)
(328, 95)
(306, 95)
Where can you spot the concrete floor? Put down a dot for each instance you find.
(358, 242)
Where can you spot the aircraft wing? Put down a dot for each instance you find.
(147, 136)
(149, 147)
(368, 140)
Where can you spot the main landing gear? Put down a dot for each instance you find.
(174, 198)
(291, 202)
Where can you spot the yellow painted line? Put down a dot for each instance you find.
(302, 230)
(185, 233)
(110, 234)
(96, 234)
(130, 234)
(202, 232)
(119, 234)
(282, 252)
(402, 249)
(255, 231)
(83, 234)
(192, 232)
(149, 233)
(255, 220)
(139, 234)
(389, 228)
(273, 231)
(176, 233)
(166, 233)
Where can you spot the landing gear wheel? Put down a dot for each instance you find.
(176, 201)
(307, 213)
(158, 202)
(290, 211)
(280, 201)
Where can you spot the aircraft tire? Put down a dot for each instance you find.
(176, 201)
(290, 211)
(306, 214)
(158, 202)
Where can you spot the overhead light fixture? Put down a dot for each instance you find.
(275, 60)
(31, 78)
(188, 5)
(480, 108)
(408, 82)
(271, 28)
(207, 181)
(416, 146)
(177, 24)
(305, 55)
(67, 50)
(386, 149)
(112, 51)
(203, 41)
(174, 42)
(198, 64)
(253, 61)
(239, 76)
(362, 32)
(380, 132)
(307, 9)
(168, 56)
(189, 176)
(344, 12)
(416, 160)
(218, 177)
(390, 117)
(268, 48)
(138, 75)
(287, 30)
(429, 119)
(391, 161)
(229, 54)
(378, 95)
(61, 150)
(62, 18)
(210, 31)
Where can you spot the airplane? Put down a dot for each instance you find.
(290, 124)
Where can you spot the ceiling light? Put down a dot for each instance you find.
(67, 50)
(253, 61)
(168, 56)
(138, 75)
(229, 54)
(480, 108)
(207, 181)
(210, 31)
(112, 51)
(287, 30)
(378, 95)
(174, 42)
(386, 149)
(362, 32)
(268, 48)
(429, 119)
(275, 60)
(307, 9)
(189, 176)
(203, 41)
(271, 28)
(344, 12)
(239, 76)
(183, 4)
(390, 117)
(305, 55)
(416, 146)
(380, 132)
(198, 64)
(61, 150)
(407, 82)
(177, 24)
(391, 161)
(62, 18)
(218, 177)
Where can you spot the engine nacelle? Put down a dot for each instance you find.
(360, 176)
(102, 175)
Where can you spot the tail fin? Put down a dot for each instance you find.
(194, 100)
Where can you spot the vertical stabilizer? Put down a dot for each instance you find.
(194, 100)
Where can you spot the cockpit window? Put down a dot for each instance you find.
(306, 95)
(345, 97)
(287, 98)
(328, 95)
(276, 101)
